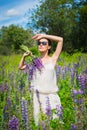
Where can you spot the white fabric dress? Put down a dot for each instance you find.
(45, 83)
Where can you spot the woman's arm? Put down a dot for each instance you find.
(57, 39)
(21, 64)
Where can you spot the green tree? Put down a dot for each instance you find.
(12, 37)
(58, 18)
(81, 29)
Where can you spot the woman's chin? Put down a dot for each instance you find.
(41, 50)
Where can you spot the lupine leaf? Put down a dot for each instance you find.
(25, 48)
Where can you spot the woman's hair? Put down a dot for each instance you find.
(49, 43)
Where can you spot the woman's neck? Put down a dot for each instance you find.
(45, 57)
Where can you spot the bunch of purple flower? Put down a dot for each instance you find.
(31, 68)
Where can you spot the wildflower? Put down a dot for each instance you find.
(2, 88)
(6, 87)
(78, 101)
(75, 92)
(58, 70)
(48, 108)
(59, 110)
(13, 123)
(5, 113)
(81, 80)
(73, 127)
(24, 109)
(35, 64)
(76, 65)
(38, 64)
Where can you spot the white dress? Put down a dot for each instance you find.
(45, 85)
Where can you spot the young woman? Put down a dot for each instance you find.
(44, 82)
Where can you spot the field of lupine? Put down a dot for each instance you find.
(16, 110)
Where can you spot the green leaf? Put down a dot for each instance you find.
(25, 48)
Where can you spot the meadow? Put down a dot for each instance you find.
(16, 110)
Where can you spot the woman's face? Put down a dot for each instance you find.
(43, 45)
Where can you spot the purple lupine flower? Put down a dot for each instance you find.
(58, 70)
(86, 82)
(48, 108)
(3, 87)
(82, 79)
(75, 92)
(76, 76)
(35, 64)
(6, 87)
(5, 113)
(13, 123)
(76, 65)
(31, 68)
(38, 64)
(6, 109)
(66, 69)
(78, 101)
(59, 110)
(73, 127)
(31, 71)
(24, 108)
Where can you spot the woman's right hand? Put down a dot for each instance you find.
(28, 53)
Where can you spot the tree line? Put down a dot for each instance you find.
(12, 37)
(66, 18)
(57, 17)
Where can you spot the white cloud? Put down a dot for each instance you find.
(19, 9)
(12, 12)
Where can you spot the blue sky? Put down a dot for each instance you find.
(13, 11)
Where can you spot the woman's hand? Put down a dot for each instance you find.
(28, 53)
(38, 36)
